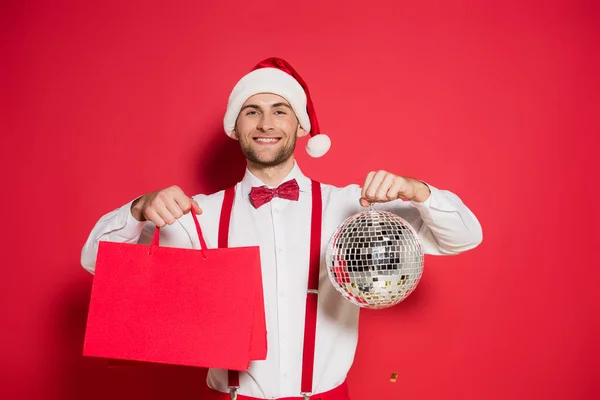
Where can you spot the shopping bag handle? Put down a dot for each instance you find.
(156, 237)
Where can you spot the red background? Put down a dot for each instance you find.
(492, 100)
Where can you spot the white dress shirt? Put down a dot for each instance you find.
(282, 230)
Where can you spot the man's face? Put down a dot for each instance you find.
(267, 129)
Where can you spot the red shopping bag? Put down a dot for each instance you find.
(168, 305)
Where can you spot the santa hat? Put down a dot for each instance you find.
(275, 75)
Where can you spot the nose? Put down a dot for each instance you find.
(265, 123)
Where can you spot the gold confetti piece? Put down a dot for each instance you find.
(394, 377)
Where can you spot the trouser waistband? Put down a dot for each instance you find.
(338, 393)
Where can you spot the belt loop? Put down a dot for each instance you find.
(233, 392)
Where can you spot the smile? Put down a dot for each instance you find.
(264, 140)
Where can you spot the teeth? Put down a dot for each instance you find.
(266, 140)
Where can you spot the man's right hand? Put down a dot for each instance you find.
(163, 207)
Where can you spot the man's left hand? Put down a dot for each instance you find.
(382, 186)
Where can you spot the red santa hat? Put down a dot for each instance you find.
(275, 75)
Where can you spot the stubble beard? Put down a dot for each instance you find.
(282, 155)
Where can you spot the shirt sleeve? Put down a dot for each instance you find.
(447, 226)
(116, 226)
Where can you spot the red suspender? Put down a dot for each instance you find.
(310, 321)
(226, 217)
(233, 376)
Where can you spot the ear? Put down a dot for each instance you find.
(301, 132)
(234, 135)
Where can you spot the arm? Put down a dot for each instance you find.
(448, 226)
(116, 226)
(444, 223)
(136, 221)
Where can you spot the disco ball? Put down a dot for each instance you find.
(375, 259)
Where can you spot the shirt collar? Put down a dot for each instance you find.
(250, 180)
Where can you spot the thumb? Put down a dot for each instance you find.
(364, 202)
(196, 207)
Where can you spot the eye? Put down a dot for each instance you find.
(280, 112)
(251, 112)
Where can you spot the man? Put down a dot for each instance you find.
(268, 110)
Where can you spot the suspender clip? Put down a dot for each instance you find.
(233, 392)
(305, 396)
(312, 291)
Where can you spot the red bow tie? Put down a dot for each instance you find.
(262, 195)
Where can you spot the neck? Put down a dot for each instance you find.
(271, 175)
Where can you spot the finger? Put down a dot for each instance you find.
(180, 198)
(365, 202)
(152, 216)
(188, 204)
(374, 185)
(394, 191)
(185, 203)
(383, 189)
(174, 208)
(368, 180)
(165, 214)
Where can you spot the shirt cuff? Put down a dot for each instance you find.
(427, 203)
(128, 226)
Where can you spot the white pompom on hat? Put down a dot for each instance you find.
(275, 75)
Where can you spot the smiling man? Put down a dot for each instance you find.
(267, 129)
(272, 207)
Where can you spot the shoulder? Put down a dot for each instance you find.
(346, 198)
(210, 200)
(341, 191)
